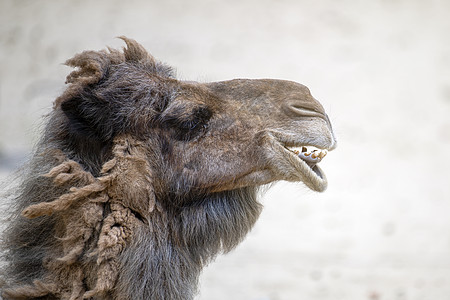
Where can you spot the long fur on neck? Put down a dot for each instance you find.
(170, 252)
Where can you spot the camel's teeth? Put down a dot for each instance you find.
(309, 154)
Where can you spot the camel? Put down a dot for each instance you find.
(140, 180)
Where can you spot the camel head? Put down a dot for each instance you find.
(202, 137)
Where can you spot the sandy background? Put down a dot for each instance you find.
(382, 71)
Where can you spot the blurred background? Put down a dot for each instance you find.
(381, 69)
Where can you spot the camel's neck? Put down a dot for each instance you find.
(167, 255)
(155, 268)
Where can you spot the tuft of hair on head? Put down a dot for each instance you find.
(103, 82)
(92, 66)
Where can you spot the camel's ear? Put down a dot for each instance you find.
(135, 53)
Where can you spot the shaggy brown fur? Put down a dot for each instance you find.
(140, 179)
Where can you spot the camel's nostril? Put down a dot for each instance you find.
(301, 111)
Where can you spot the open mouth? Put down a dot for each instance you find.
(308, 158)
(309, 154)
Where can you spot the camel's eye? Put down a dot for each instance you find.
(187, 123)
(195, 124)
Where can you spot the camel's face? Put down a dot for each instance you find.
(201, 137)
(246, 133)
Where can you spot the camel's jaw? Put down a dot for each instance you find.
(294, 158)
